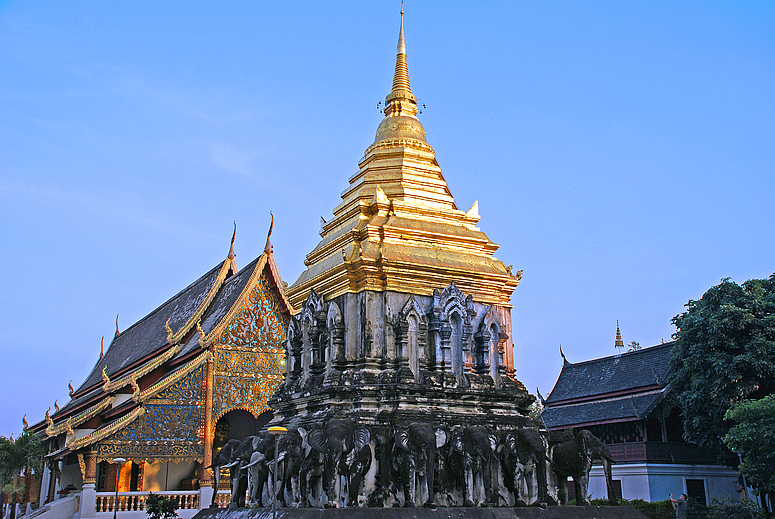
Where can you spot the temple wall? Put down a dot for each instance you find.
(165, 476)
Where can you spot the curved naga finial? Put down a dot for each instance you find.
(268, 247)
(231, 255)
(102, 347)
(202, 334)
(48, 419)
(24, 422)
(56, 407)
(562, 354)
(70, 389)
(117, 331)
(105, 377)
(135, 388)
(169, 331)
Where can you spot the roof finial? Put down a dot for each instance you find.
(102, 347)
(24, 421)
(231, 247)
(564, 360)
(400, 101)
(268, 247)
(117, 331)
(619, 343)
(56, 407)
(70, 389)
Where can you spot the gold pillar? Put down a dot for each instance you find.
(90, 474)
(205, 479)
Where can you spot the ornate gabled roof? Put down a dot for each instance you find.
(398, 227)
(615, 388)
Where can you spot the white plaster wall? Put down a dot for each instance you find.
(165, 476)
(654, 482)
(71, 474)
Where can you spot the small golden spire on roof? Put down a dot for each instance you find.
(268, 247)
(24, 422)
(70, 389)
(231, 255)
(48, 417)
(56, 407)
(619, 343)
(102, 347)
(117, 331)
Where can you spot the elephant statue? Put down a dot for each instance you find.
(472, 453)
(311, 467)
(347, 457)
(574, 458)
(223, 460)
(291, 450)
(259, 469)
(414, 460)
(523, 462)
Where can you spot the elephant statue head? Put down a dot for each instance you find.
(472, 452)
(573, 458)
(523, 463)
(414, 460)
(347, 457)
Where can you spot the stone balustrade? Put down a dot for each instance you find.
(135, 501)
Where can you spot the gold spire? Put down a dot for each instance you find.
(102, 347)
(619, 343)
(397, 227)
(117, 331)
(400, 100)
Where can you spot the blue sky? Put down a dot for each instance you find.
(623, 155)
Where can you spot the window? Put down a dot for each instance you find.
(695, 489)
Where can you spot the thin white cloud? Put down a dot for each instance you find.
(231, 159)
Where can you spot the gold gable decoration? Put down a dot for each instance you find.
(249, 354)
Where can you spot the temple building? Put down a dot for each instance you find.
(198, 369)
(625, 401)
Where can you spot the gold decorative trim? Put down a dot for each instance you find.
(112, 385)
(82, 464)
(205, 340)
(142, 396)
(228, 264)
(55, 430)
(151, 459)
(104, 432)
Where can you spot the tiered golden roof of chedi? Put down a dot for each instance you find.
(398, 227)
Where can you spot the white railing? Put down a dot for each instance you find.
(134, 501)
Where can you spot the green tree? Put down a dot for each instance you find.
(19, 457)
(160, 507)
(724, 353)
(753, 435)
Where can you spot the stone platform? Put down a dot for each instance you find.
(554, 512)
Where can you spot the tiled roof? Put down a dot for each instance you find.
(627, 407)
(149, 334)
(625, 372)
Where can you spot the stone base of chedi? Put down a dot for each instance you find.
(433, 397)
